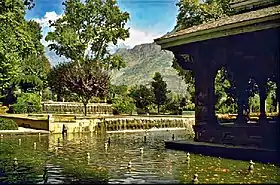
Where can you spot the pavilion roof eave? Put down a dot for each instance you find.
(241, 23)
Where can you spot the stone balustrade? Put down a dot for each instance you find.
(77, 108)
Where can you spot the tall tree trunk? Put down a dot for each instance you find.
(59, 97)
(85, 109)
(158, 108)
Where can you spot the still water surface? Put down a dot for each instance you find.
(84, 158)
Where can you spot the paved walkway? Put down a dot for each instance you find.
(22, 130)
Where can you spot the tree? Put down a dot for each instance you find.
(86, 80)
(195, 12)
(115, 90)
(159, 88)
(188, 77)
(83, 35)
(175, 103)
(34, 73)
(55, 80)
(123, 104)
(142, 96)
(225, 94)
(86, 30)
(15, 42)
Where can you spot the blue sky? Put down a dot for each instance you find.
(149, 19)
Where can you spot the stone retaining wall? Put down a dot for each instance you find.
(81, 125)
(22, 121)
(113, 124)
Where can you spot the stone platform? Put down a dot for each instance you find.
(226, 151)
(22, 130)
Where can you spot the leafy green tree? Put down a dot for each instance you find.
(28, 103)
(15, 41)
(143, 97)
(55, 80)
(159, 87)
(222, 84)
(254, 103)
(86, 30)
(174, 103)
(123, 104)
(34, 73)
(195, 12)
(114, 90)
(188, 77)
(83, 35)
(86, 80)
(36, 65)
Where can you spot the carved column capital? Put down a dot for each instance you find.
(186, 61)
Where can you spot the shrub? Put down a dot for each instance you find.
(27, 103)
(190, 107)
(46, 94)
(123, 104)
(8, 124)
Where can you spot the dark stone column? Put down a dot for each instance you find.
(263, 95)
(277, 100)
(205, 98)
(242, 101)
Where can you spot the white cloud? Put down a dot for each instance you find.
(140, 37)
(44, 22)
(136, 37)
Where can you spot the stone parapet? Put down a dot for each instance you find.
(77, 108)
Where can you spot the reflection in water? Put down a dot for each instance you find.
(118, 158)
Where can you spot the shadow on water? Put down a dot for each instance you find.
(90, 158)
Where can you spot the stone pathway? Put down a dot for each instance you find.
(22, 130)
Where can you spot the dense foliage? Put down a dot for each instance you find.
(28, 103)
(123, 105)
(143, 98)
(159, 88)
(8, 124)
(23, 64)
(86, 30)
(195, 12)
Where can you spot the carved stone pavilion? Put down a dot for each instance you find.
(246, 44)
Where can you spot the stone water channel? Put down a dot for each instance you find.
(85, 158)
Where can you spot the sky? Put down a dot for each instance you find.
(149, 19)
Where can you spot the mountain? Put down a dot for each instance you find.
(142, 62)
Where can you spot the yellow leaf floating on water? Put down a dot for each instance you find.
(221, 170)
